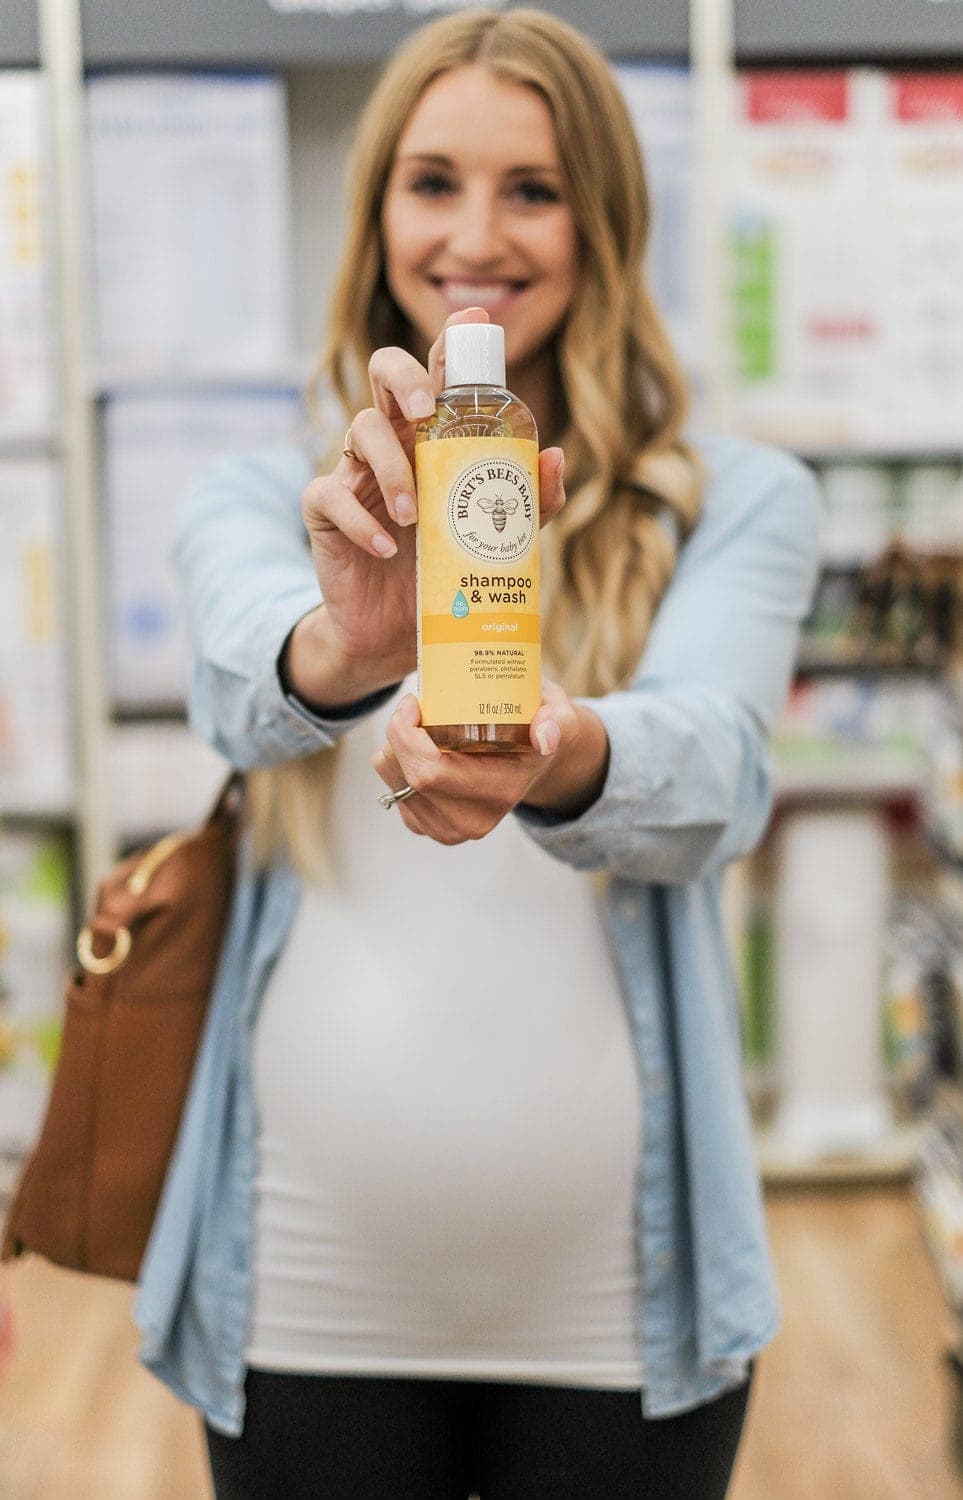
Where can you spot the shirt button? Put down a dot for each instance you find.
(664, 1259)
(628, 909)
(656, 1083)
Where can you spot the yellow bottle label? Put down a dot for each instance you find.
(479, 654)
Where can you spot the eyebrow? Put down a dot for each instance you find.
(445, 161)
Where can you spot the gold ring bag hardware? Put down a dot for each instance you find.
(134, 1010)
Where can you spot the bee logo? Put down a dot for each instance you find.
(498, 508)
(502, 489)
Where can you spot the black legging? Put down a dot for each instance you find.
(347, 1437)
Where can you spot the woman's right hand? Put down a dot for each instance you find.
(360, 522)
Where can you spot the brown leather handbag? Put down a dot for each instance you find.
(135, 1006)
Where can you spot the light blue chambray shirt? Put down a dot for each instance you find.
(688, 789)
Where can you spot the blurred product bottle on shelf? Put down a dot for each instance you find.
(891, 592)
(930, 501)
(859, 511)
(944, 792)
(938, 1180)
(914, 960)
(758, 990)
(749, 924)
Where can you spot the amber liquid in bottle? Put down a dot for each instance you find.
(482, 411)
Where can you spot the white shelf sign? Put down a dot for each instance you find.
(35, 737)
(191, 220)
(26, 362)
(155, 446)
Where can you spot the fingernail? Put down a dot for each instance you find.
(405, 509)
(421, 404)
(548, 736)
(561, 463)
(383, 544)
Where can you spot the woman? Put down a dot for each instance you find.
(464, 1198)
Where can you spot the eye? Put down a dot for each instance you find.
(534, 190)
(431, 184)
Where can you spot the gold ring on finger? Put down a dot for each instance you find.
(348, 451)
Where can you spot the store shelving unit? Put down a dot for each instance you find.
(824, 34)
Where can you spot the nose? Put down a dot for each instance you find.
(475, 235)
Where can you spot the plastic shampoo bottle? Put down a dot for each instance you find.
(476, 470)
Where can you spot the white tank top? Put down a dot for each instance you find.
(450, 1116)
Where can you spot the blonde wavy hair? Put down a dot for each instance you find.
(608, 557)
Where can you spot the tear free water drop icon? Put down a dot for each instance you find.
(459, 606)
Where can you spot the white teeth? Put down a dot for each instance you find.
(466, 291)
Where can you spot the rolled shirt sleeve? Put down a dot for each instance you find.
(689, 785)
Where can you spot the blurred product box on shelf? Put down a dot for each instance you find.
(867, 506)
(35, 734)
(27, 399)
(35, 935)
(857, 734)
(919, 1008)
(154, 447)
(847, 238)
(916, 124)
(191, 224)
(805, 315)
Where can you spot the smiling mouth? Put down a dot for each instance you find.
(485, 294)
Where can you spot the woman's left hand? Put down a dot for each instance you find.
(462, 796)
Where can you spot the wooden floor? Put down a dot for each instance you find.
(852, 1401)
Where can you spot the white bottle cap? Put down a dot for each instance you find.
(475, 354)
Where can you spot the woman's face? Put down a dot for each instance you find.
(475, 213)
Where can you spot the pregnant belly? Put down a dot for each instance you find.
(504, 1128)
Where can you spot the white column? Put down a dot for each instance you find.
(712, 53)
(62, 60)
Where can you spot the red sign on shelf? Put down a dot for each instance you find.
(787, 98)
(928, 96)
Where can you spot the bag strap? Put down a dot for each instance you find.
(227, 808)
